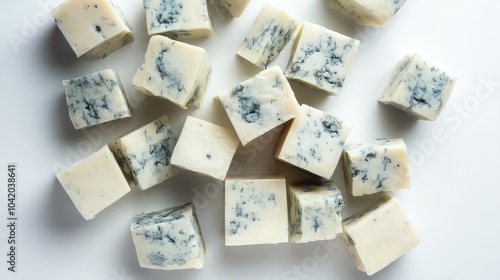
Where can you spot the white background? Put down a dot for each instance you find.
(453, 202)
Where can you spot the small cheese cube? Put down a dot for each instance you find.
(235, 7)
(269, 34)
(371, 12)
(418, 88)
(255, 211)
(379, 235)
(94, 182)
(175, 71)
(145, 153)
(313, 141)
(178, 18)
(314, 211)
(205, 148)
(321, 58)
(169, 239)
(94, 28)
(260, 104)
(96, 98)
(375, 166)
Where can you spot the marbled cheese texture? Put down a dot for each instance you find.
(94, 182)
(178, 18)
(205, 148)
(368, 12)
(313, 141)
(255, 211)
(378, 235)
(175, 71)
(321, 58)
(96, 98)
(418, 88)
(260, 104)
(272, 30)
(314, 211)
(169, 239)
(94, 28)
(235, 7)
(145, 153)
(375, 166)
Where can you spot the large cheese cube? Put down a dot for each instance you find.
(94, 182)
(178, 18)
(313, 141)
(145, 153)
(255, 211)
(175, 71)
(205, 148)
(375, 166)
(94, 28)
(260, 104)
(314, 211)
(379, 235)
(96, 98)
(235, 7)
(368, 12)
(269, 34)
(418, 88)
(169, 239)
(321, 58)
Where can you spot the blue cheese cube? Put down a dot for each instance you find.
(96, 98)
(175, 71)
(418, 88)
(270, 33)
(94, 183)
(260, 104)
(314, 211)
(145, 153)
(235, 7)
(321, 58)
(169, 239)
(94, 28)
(378, 235)
(255, 211)
(313, 142)
(372, 12)
(375, 166)
(205, 148)
(178, 19)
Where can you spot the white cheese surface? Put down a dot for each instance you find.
(235, 7)
(368, 12)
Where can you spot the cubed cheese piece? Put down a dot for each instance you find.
(94, 28)
(94, 182)
(314, 211)
(169, 239)
(205, 148)
(145, 153)
(418, 88)
(368, 12)
(178, 18)
(260, 104)
(235, 7)
(379, 235)
(255, 211)
(96, 98)
(175, 71)
(269, 34)
(321, 58)
(313, 141)
(375, 166)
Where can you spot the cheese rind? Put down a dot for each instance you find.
(368, 12)
(235, 7)
(169, 239)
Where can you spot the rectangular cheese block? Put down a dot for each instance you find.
(378, 235)
(368, 12)
(255, 211)
(175, 71)
(96, 98)
(169, 239)
(94, 28)
(94, 182)
(235, 7)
